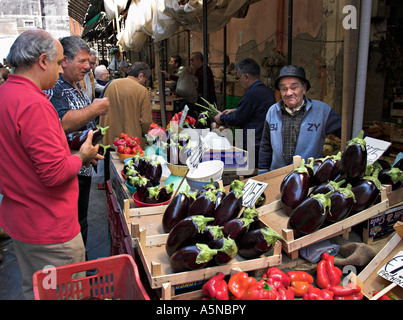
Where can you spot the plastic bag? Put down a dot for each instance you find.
(186, 87)
(314, 252)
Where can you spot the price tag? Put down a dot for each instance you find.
(393, 270)
(183, 117)
(196, 155)
(375, 148)
(252, 191)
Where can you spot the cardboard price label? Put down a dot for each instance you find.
(375, 148)
(183, 117)
(252, 191)
(393, 269)
(196, 155)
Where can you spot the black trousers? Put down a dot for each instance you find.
(84, 185)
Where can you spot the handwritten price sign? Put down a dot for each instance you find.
(375, 148)
(252, 191)
(196, 155)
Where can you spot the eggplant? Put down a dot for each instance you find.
(143, 164)
(398, 164)
(260, 201)
(207, 187)
(392, 176)
(353, 162)
(328, 170)
(366, 191)
(295, 188)
(210, 233)
(151, 195)
(327, 187)
(257, 242)
(191, 257)
(311, 172)
(130, 165)
(236, 185)
(203, 205)
(176, 210)
(142, 184)
(185, 232)
(154, 172)
(341, 203)
(250, 213)
(203, 121)
(220, 194)
(166, 192)
(226, 250)
(229, 208)
(77, 138)
(310, 214)
(237, 228)
(383, 164)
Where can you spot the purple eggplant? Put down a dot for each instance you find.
(250, 213)
(207, 187)
(328, 170)
(130, 165)
(176, 210)
(77, 138)
(226, 250)
(260, 201)
(154, 172)
(166, 192)
(311, 172)
(203, 205)
(203, 121)
(295, 188)
(341, 203)
(257, 242)
(383, 164)
(327, 187)
(398, 164)
(151, 195)
(191, 257)
(210, 233)
(366, 191)
(141, 184)
(185, 232)
(143, 164)
(229, 208)
(220, 194)
(392, 176)
(310, 214)
(237, 228)
(236, 185)
(353, 162)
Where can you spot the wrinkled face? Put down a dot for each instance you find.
(104, 75)
(194, 62)
(75, 70)
(292, 91)
(93, 62)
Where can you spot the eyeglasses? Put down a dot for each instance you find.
(92, 63)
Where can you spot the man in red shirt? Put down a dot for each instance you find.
(38, 174)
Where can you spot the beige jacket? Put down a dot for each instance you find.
(130, 110)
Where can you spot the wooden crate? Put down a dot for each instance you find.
(371, 281)
(161, 276)
(274, 216)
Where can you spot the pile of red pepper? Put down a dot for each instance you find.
(278, 285)
(127, 144)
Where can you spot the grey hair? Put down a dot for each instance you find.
(98, 70)
(72, 45)
(198, 55)
(139, 67)
(93, 52)
(248, 66)
(29, 46)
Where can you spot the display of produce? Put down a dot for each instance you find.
(127, 145)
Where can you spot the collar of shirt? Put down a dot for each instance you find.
(255, 84)
(295, 110)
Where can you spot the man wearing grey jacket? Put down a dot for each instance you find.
(295, 125)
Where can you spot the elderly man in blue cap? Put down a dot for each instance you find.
(295, 125)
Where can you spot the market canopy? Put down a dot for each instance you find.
(158, 19)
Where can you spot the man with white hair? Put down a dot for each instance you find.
(40, 198)
(101, 79)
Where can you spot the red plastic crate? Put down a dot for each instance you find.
(116, 277)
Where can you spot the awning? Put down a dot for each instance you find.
(84, 11)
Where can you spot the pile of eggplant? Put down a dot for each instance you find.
(145, 174)
(209, 227)
(328, 190)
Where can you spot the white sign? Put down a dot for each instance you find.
(375, 149)
(183, 117)
(252, 191)
(393, 270)
(196, 155)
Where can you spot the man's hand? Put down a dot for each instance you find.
(217, 117)
(89, 153)
(102, 105)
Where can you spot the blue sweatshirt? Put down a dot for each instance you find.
(318, 121)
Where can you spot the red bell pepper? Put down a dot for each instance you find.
(239, 283)
(276, 277)
(387, 296)
(318, 294)
(355, 296)
(327, 274)
(349, 292)
(300, 276)
(260, 290)
(216, 288)
(299, 288)
(284, 294)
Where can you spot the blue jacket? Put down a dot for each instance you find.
(318, 121)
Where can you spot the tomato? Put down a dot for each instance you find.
(123, 135)
(127, 150)
(121, 148)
